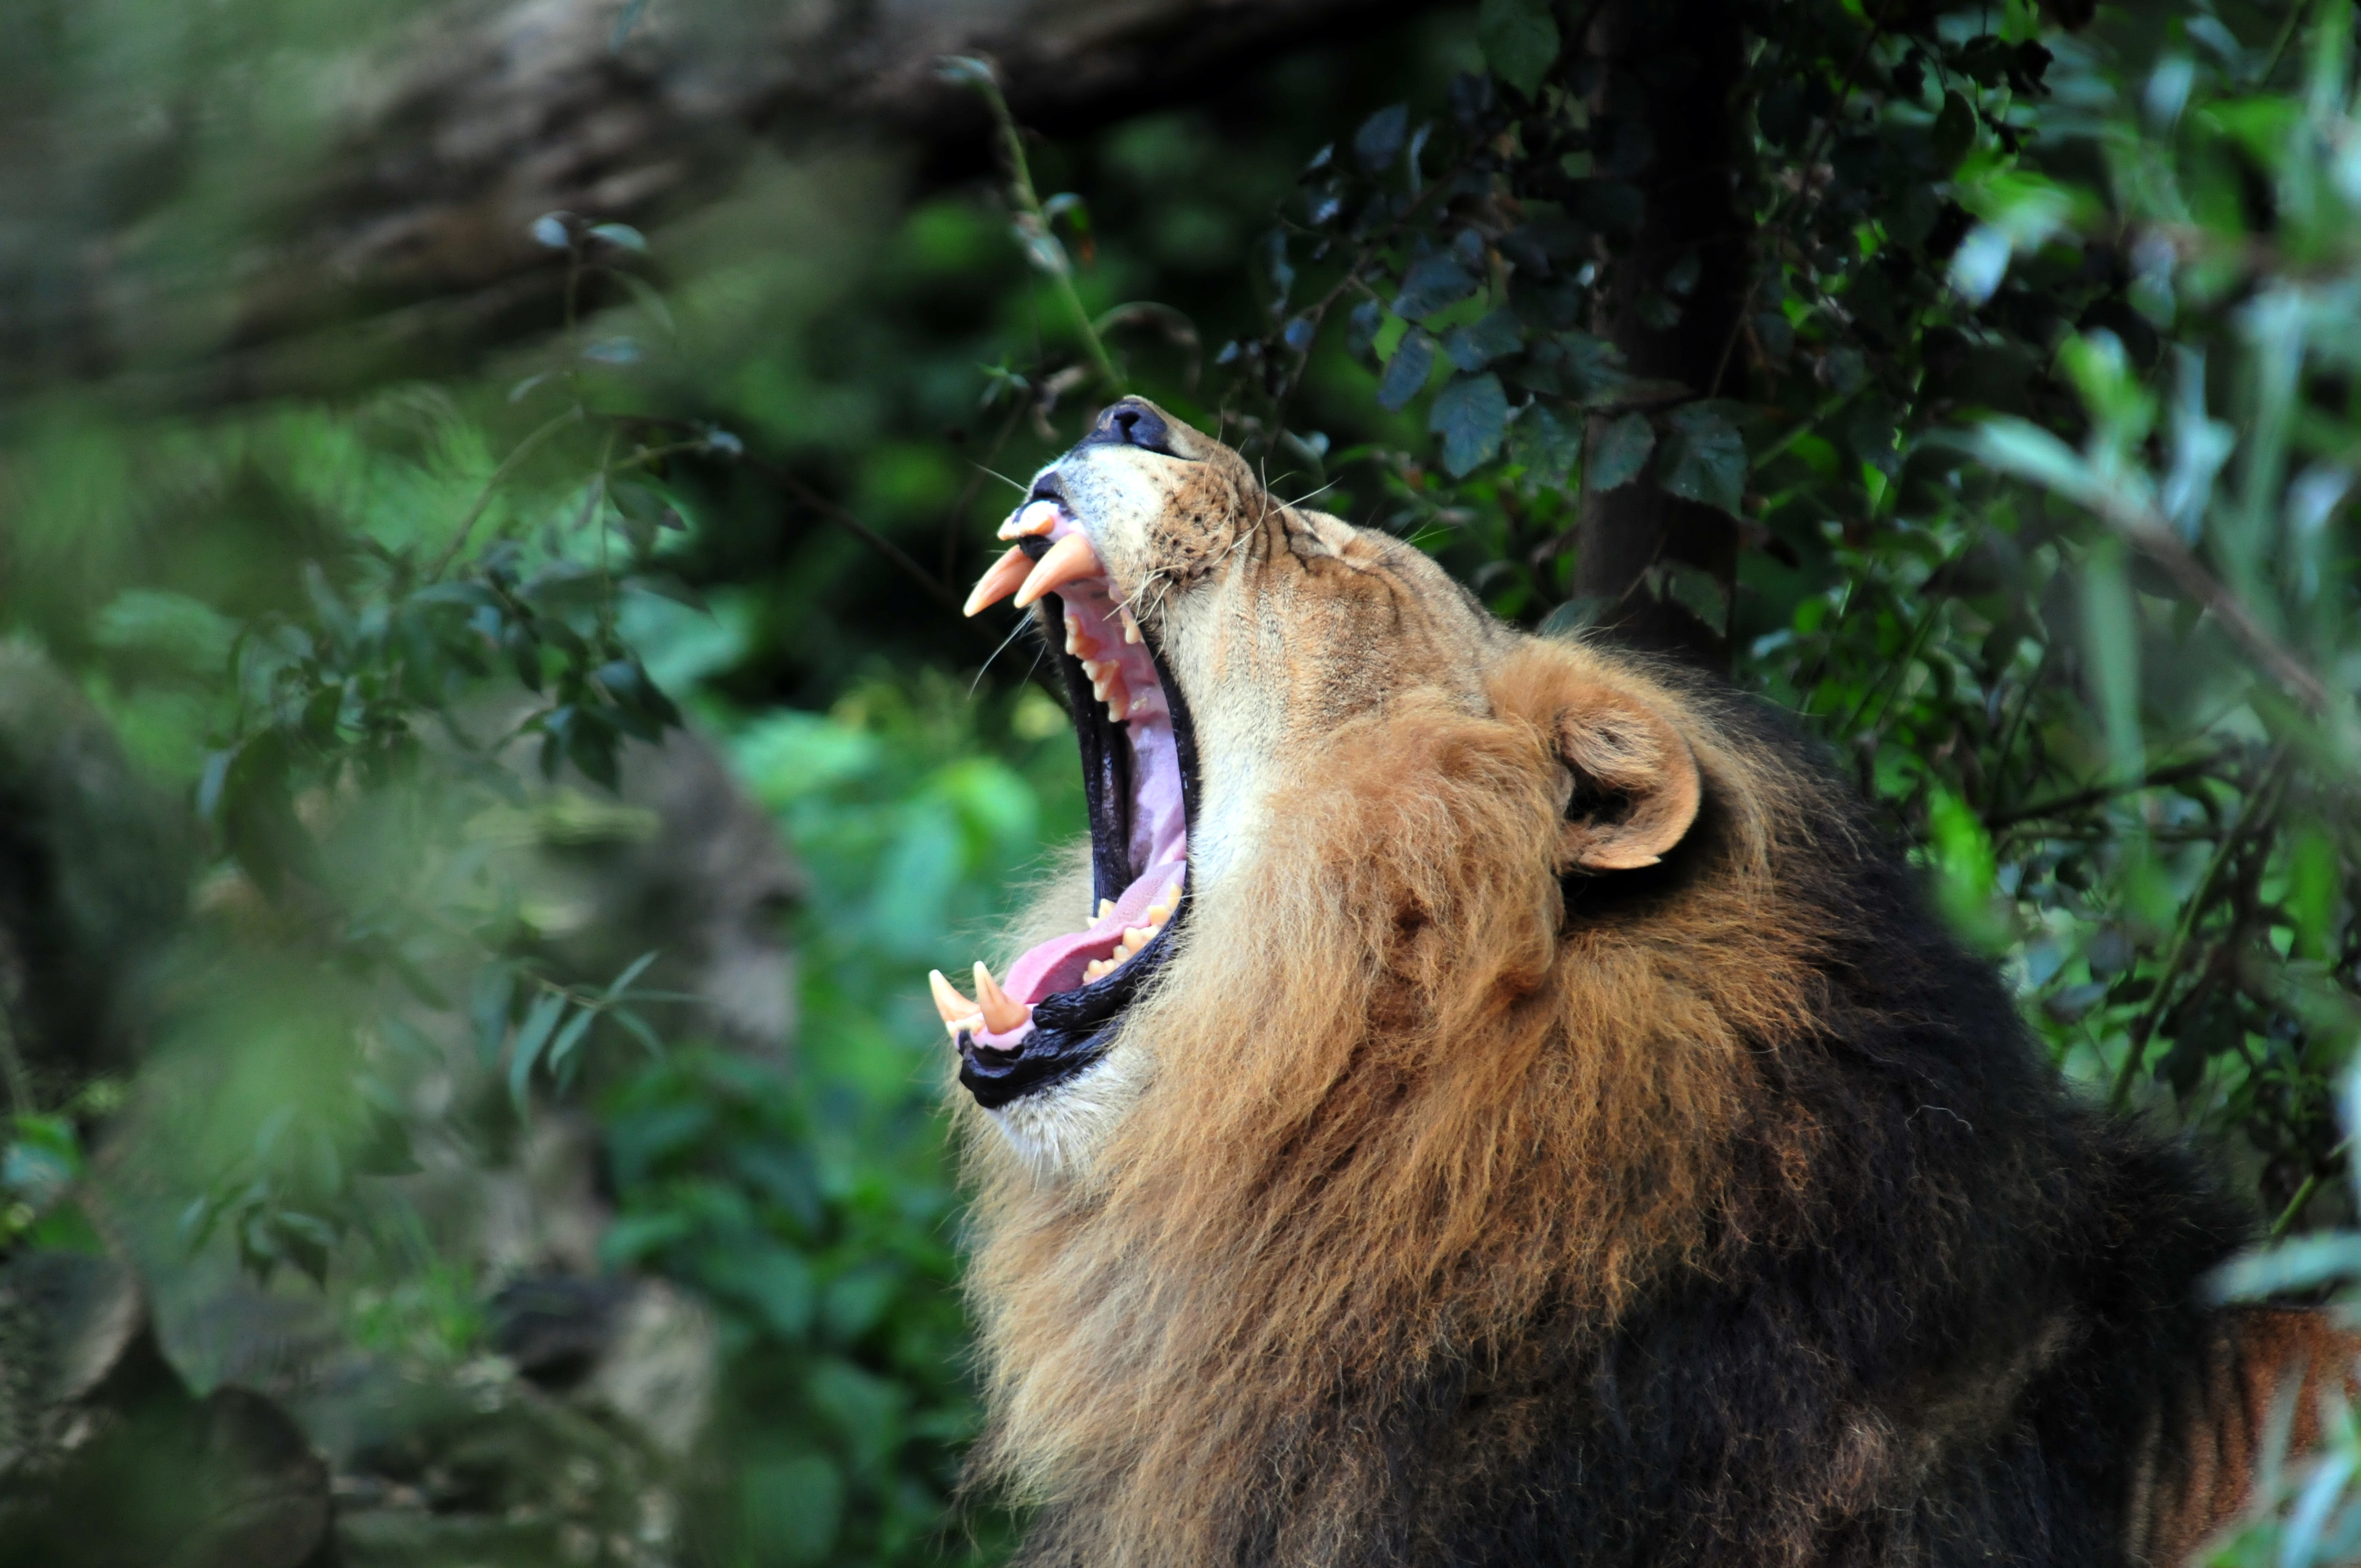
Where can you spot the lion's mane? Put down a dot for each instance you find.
(1727, 1197)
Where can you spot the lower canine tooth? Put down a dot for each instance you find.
(958, 1012)
(1001, 1010)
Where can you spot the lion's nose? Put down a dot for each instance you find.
(1131, 423)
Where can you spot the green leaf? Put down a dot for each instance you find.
(1379, 140)
(1622, 451)
(488, 1008)
(1546, 445)
(1433, 283)
(1406, 372)
(531, 1035)
(638, 967)
(638, 1029)
(1519, 40)
(1705, 458)
(2110, 643)
(561, 1050)
(2303, 1264)
(1478, 344)
(1696, 590)
(1954, 132)
(1471, 415)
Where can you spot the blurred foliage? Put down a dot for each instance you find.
(2038, 430)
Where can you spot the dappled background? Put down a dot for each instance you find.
(489, 752)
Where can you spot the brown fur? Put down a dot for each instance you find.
(1441, 1121)
(1392, 1113)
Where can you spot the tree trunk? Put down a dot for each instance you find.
(153, 242)
(1646, 555)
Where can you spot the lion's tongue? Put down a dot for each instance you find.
(1057, 964)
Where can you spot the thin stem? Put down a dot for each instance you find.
(2099, 793)
(2259, 804)
(2155, 537)
(1020, 188)
(935, 587)
(2296, 11)
(2289, 1215)
(12, 1067)
(475, 513)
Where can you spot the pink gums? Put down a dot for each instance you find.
(1160, 837)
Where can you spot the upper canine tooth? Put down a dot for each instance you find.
(1068, 559)
(1107, 907)
(1130, 627)
(1006, 572)
(1030, 521)
(1002, 1013)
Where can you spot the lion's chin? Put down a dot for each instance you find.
(1058, 1010)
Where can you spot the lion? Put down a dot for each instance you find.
(1504, 1104)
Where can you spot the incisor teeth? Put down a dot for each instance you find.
(1095, 970)
(1031, 521)
(1002, 1013)
(1075, 634)
(1068, 559)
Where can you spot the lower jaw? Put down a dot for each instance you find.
(1073, 991)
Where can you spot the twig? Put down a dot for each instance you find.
(2287, 1216)
(19, 1083)
(980, 75)
(936, 588)
(2261, 802)
(507, 466)
(2151, 534)
(2097, 793)
(2287, 35)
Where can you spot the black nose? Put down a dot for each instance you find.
(1130, 423)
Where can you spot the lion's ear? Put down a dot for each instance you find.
(1631, 785)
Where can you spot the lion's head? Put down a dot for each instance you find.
(1225, 655)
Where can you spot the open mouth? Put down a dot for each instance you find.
(1063, 999)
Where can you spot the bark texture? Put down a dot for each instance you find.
(408, 214)
(1671, 70)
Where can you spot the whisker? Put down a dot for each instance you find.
(1004, 480)
(1014, 633)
